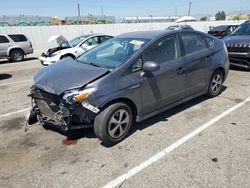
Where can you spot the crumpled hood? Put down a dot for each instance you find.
(59, 39)
(239, 39)
(65, 75)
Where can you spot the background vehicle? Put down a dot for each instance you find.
(129, 78)
(14, 47)
(238, 46)
(73, 48)
(222, 30)
(179, 27)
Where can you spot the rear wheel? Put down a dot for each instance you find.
(215, 86)
(17, 55)
(113, 123)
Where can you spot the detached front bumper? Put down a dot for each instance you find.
(49, 109)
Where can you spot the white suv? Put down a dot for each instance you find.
(73, 48)
(14, 47)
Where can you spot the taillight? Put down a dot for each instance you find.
(30, 44)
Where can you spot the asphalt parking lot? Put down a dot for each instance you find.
(218, 156)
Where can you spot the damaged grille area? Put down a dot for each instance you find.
(47, 103)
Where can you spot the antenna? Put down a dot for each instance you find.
(102, 11)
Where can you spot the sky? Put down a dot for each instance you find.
(119, 8)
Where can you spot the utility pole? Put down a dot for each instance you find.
(79, 13)
(102, 11)
(189, 9)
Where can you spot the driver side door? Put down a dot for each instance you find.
(167, 85)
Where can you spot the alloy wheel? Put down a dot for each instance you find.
(118, 123)
(216, 83)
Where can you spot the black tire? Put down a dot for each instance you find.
(111, 133)
(215, 85)
(73, 57)
(17, 55)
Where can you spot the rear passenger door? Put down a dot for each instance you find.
(4, 45)
(196, 62)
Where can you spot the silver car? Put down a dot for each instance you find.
(14, 47)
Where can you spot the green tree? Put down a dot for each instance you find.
(221, 15)
(236, 17)
(204, 18)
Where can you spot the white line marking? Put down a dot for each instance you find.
(13, 113)
(119, 180)
(16, 82)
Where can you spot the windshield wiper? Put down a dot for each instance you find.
(89, 63)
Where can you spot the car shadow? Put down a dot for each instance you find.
(89, 132)
(72, 134)
(5, 76)
(25, 60)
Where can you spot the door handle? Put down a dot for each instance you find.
(180, 70)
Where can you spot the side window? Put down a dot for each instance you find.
(3, 39)
(18, 38)
(164, 51)
(137, 66)
(192, 42)
(104, 38)
(91, 41)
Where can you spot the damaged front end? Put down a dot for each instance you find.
(68, 111)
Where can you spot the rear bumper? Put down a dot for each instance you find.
(29, 51)
(239, 59)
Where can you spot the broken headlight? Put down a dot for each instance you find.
(77, 96)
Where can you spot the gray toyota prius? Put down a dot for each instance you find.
(127, 79)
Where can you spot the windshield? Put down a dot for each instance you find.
(243, 29)
(113, 53)
(74, 42)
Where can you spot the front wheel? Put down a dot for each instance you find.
(113, 123)
(17, 55)
(215, 86)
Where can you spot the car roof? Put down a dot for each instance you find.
(94, 34)
(146, 34)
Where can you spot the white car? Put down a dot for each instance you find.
(73, 48)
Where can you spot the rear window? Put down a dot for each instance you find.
(18, 38)
(3, 39)
(193, 42)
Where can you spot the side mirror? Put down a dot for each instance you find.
(84, 45)
(150, 66)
